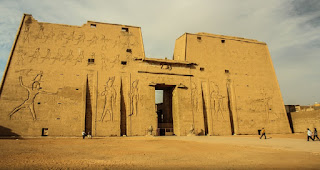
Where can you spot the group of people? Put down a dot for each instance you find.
(88, 135)
(315, 134)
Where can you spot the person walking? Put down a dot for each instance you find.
(83, 134)
(309, 134)
(263, 133)
(315, 134)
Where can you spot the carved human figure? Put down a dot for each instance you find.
(40, 34)
(35, 55)
(267, 102)
(21, 55)
(80, 57)
(47, 56)
(216, 101)
(58, 56)
(104, 42)
(81, 37)
(27, 34)
(93, 40)
(134, 96)
(70, 37)
(68, 58)
(60, 36)
(194, 97)
(32, 93)
(110, 100)
(48, 36)
(104, 61)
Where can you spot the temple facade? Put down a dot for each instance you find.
(62, 79)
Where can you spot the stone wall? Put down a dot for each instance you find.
(95, 77)
(305, 119)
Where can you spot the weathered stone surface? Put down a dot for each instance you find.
(305, 119)
(95, 77)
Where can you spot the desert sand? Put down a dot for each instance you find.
(169, 152)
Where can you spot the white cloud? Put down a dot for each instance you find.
(289, 27)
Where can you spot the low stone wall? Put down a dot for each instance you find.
(305, 119)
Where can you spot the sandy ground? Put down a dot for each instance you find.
(198, 152)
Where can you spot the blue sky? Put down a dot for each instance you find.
(291, 28)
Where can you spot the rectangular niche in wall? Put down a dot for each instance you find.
(45, 132)
(91, 61)
(125, 29)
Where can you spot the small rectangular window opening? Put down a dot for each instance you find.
(199, 38)
(201, 69)
(125, 29)
(222, 41)
(44, 132)
(226, 71)
(90, 60)
(93, 25)
(129, 50)
(124, 62)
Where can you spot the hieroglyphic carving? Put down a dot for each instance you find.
(58, 56)
(68, 58)
(93, 40)
(20, 56)
(49, 36)
(267, 101)
(40, 34)
(134, 97)
(116, 59)
(103, 62)
(79, 58)
(26, 32)
(104, 42)
(70, 37)
(33, 91)
(35, 55)
(109, 62)
(127, 40)
(60, 36)
(194, 97)
(110, 100)
(47, 56)
(80, 39)
(216, 101)
(93, 55)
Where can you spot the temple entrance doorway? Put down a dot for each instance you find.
(163, 103)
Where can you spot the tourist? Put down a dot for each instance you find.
(263, 133)
(315, 134)
(309, 134)
(83, 134)
(89, 135)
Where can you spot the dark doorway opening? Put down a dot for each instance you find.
(88, 114)
(164, 109)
